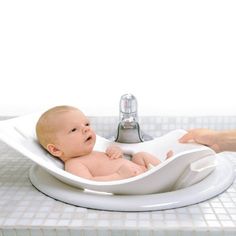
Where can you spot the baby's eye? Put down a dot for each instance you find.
(87, 124)
(73, 130)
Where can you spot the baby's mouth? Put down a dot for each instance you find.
(89, 138)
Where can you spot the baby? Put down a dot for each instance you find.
(65, 132)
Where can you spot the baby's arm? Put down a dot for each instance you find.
(78, 169)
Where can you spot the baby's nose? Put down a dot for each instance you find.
(85, 128)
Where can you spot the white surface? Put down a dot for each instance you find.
(177, 57)
(214, 184)
(19, 133)
(26, 211)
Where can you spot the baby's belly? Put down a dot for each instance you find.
(109, 167)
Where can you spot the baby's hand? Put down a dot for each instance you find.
(114, 152)
(127, 171)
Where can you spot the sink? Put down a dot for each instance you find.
(192, 175)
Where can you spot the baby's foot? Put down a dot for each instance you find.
(169, 154)
(150, 166)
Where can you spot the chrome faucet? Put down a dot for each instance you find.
(129, 129)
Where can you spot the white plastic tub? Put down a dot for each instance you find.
(190, 164)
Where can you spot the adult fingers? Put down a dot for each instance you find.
(187, 137)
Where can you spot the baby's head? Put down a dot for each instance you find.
(65, 132)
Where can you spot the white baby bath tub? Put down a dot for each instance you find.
(190, 164)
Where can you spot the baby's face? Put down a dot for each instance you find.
(74, 136)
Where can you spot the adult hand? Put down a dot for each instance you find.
(206, 137)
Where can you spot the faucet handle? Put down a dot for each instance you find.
(128, 107)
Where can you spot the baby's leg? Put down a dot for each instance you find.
(169, 154)
(144, 159)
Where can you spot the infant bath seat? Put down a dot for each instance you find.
(193, 174)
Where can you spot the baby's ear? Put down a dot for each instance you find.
(54, 150)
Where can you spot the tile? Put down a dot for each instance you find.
(49, 232)
(23, 232)
(76, 232)
(8, 232)
(36, 232)
(118, 233)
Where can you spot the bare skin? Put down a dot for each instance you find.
(219, 141)
(99, 166)
(73, 141)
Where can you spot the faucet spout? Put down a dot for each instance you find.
(128, 109)
(129, 128)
